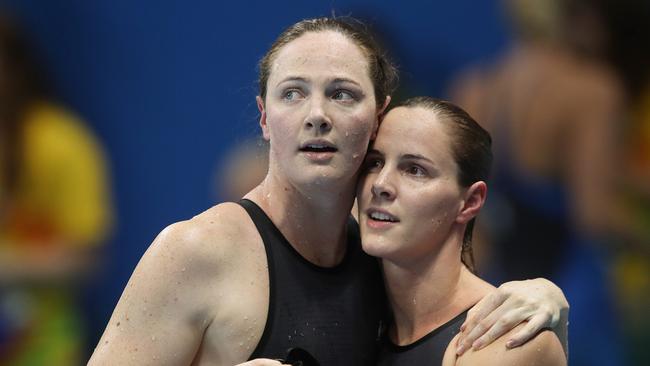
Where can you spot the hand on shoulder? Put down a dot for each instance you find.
(544, 349)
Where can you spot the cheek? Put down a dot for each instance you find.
(363, 189)
(435, 207)
(279, 125)
(357, 134)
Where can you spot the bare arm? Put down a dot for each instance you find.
(539, 303)
(162, 314)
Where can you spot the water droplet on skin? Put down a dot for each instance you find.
(289, 337)
(153, 338)
(245, 318)
(241, 344)
(354, 156)
(414, 300)
(183, 270)
(347, 134)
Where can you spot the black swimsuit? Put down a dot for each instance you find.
(336, 314)
(428, 350)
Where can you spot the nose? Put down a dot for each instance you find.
(318, 117)
(383, 186)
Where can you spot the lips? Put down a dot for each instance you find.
(318, 146)
(381, 216)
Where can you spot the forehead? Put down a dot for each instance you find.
(414, 130)
(326, 53)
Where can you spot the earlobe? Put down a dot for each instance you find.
(383, 108)
(263, 125)
(474, 201)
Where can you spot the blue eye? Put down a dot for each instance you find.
(291, 95)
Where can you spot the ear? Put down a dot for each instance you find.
(263, 125)
(380, 117)
(474, 199)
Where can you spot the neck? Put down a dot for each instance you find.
(313, 219)
(428, 292)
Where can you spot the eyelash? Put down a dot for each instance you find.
(416, 170)
(286, 94)
(373, 164)
(341, 92)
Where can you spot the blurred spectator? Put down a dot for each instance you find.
(630, 20)
(244, 167)
(54, 210)
(555, 108)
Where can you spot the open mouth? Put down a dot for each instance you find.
(382, 216)
(318, 148)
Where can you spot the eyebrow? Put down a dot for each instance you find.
(416, 157)
(304, 80)
(405, 156)
(292, 78)
(346, 80)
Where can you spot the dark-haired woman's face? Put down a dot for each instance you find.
(409, 196)
(320, 109)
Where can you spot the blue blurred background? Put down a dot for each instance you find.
(168, 89)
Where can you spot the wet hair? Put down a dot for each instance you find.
(383, 72)
(471, 148)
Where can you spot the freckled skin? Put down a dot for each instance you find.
(205, 280)
(355, 120)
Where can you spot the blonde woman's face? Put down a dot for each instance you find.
(320, 109)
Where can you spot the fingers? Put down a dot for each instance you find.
(483, 308)
(476, 324)
(534, 325)
(501, 322)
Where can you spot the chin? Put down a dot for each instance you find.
(375, 247)
(326, 175)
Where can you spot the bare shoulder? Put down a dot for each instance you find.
(174, 293)
(213, 235)
(544, 349)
